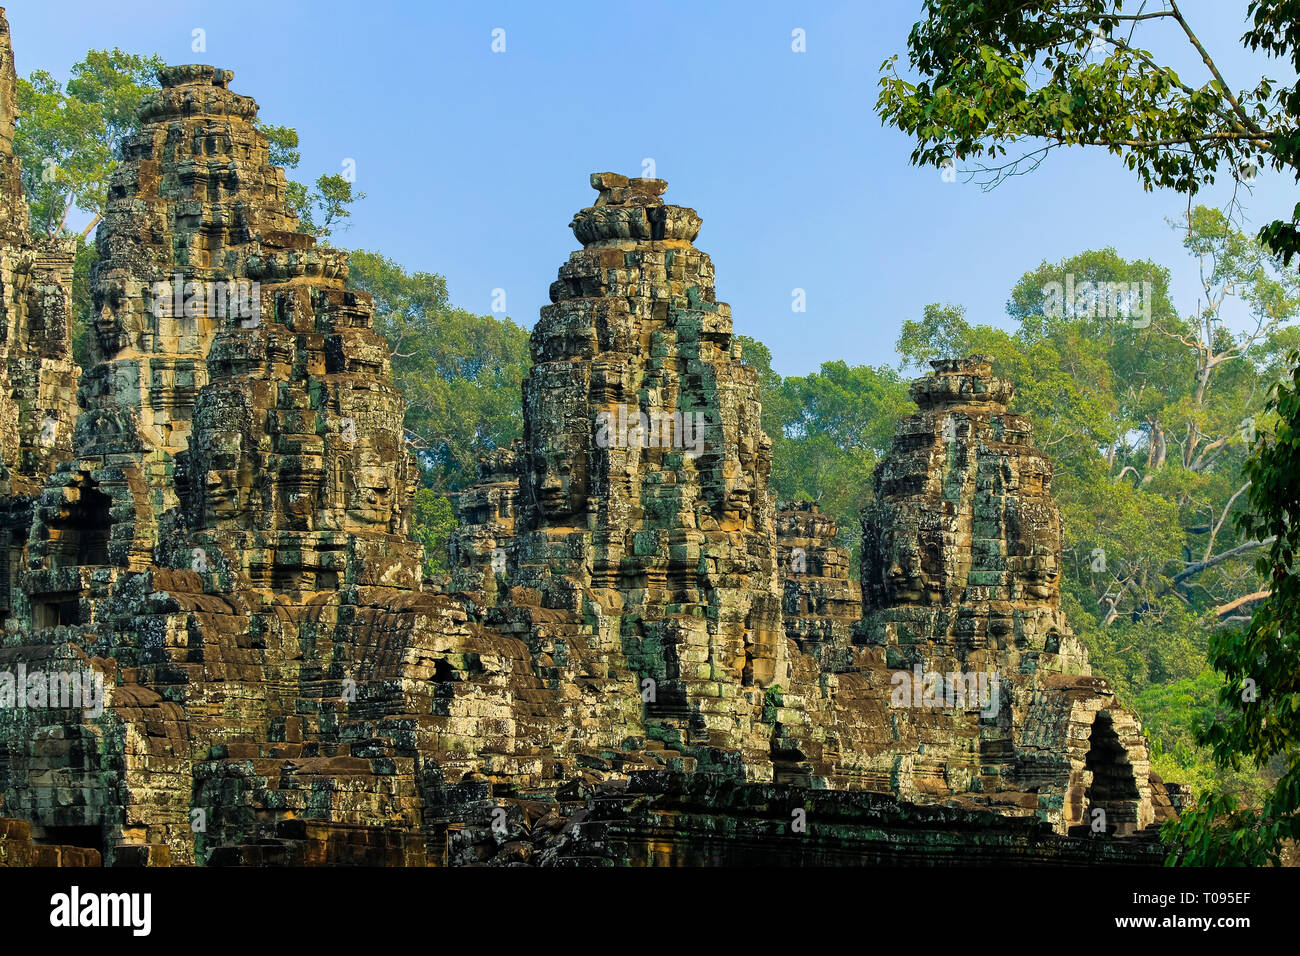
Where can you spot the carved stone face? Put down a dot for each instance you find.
(299, 497)
(370, 492)
(561, 488)
(558, 458)
(561, 428)
(112, 320)
(224, 496)
(227, 483)
(1035, 537)
(905, 580)
(739, 498)
(1039, 576)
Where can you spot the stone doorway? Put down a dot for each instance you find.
(1114, 787)
(79, 533)
(86, 837)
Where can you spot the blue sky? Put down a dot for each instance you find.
(473, 162)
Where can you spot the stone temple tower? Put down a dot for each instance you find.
(239, 485)
(203, 280)
(194, 210)
(963, 538)
(645, 466)
(38, 403)
(961, 575)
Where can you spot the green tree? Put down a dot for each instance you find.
(835, 426)
(432, 522)
(1002, 74)
(461, 373)
(1172, 716)
(1256, 718)
(69, 138)
(828, 429)
(322, 209)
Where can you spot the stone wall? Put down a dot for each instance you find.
(820, 602)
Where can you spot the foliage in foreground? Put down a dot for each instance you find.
(1256, 718)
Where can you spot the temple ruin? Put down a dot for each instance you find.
(640, 658)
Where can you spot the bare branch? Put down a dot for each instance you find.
(1231, 606)
(1209, 547)
(1197, 567)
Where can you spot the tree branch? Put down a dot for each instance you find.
(1209, 547)
(1245, 121)
(1231, 606)
(1198, 566)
